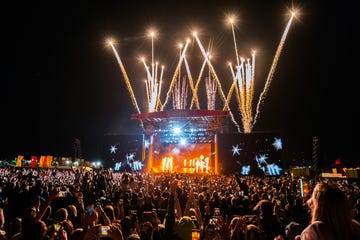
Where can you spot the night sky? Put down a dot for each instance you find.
(60, 81)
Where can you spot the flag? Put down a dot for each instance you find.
(49, 161)
(19, 160)
(42, 162)
(33, 161)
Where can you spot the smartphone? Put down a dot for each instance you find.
(57, 227)
(147, 216)
(216, 212)
(103, 231)
(195, 234)
(214, 221)
(90, 210)
(304, 187)
(250, 218)
(62, 194)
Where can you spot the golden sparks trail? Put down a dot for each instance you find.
(212, 71)
(244, 78)
(242, 86)
(191, 81)
(195, 96)
(128, 85)
(173, 80)
(272, 69)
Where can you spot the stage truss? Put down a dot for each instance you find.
(189, 128)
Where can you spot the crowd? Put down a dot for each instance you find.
(40, 204)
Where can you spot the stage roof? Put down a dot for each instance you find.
(196, 126)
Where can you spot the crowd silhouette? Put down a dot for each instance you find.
(39, 203)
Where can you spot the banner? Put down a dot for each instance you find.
(42, 162)
(19, 160)
(33, 161)
(49, 160)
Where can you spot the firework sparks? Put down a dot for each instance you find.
(243, 78)
(177, 70)
(127, 81)
(180, 94)
(243, 81)
(195, 96)
(210, 92)
(272, 69)
(212, 70)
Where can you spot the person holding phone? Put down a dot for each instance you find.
(112, 231)
(267, 221)
(147, 231)
(103, 231)
(90, 217)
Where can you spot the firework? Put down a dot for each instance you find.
(242, 86)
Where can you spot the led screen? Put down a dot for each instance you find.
(250, 154)
(123, 152)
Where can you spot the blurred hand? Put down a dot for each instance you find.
(115, 232)
(63, 234)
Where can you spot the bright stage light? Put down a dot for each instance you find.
(183, 141)
(147, 143)
(177, 130)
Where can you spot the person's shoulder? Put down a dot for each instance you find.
(317, 230)
(317, 224)
(355, 223)
(356, 227)
(309, 232)
(16, 236)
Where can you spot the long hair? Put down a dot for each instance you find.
(334, 209)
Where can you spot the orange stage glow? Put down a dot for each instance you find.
(190, 158)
